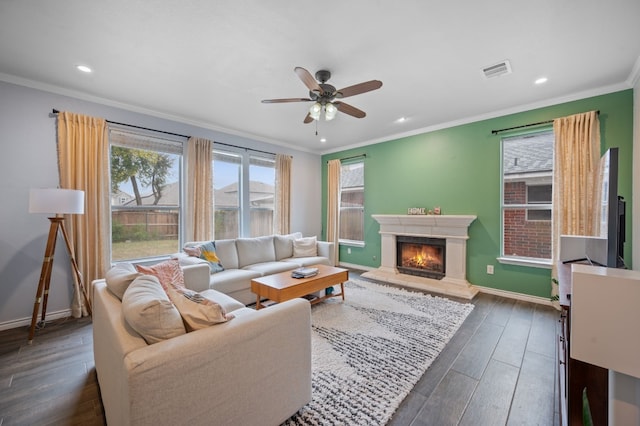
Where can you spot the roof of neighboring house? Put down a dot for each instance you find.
(259, 193)
(352, 177)
(536, 155)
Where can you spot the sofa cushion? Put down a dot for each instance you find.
(196, 310)
(168, 272)
(284, 245)
(206, 251)
(229, 304)
(255, 250)
(227, 253)
(305, 247)
(148, 310)
(119, 277)
(269, 268)
(230, 281)
(308, 261)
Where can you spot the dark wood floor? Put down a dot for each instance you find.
(498, 369)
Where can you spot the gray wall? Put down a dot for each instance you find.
(28, 139)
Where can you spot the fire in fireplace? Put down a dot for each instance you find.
(421, 256)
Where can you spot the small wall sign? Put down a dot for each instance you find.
(416, 210)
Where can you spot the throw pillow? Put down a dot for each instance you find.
(168, 272)
(148, 310)
(206, 251)
(305, 247)
(196, 310)
(119, 277)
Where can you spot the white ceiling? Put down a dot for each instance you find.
(210, 63)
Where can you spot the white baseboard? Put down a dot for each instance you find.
(27, 321)
(513, 295)
(496, 292)
(354, 266)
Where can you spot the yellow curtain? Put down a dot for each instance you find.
(333, 206)
(83, 161)
(576, 186)
(200, 189)
(283, 194)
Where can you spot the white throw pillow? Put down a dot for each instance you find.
(305, 247)
(119, 277)
(148, 310)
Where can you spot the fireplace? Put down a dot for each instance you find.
(450, 278)
(421, 256)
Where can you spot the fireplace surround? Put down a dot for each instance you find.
(453, 229)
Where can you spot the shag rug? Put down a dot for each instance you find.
(370, 350)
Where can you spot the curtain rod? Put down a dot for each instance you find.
(242, 147)
(495, 132)
(352, 157)
(55, 111)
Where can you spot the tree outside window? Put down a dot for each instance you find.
(145, 201)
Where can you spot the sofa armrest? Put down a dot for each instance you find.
(325, 249)
(254, 369)
(197, 277)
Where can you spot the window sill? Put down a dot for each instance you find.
(351, 243)
(522, 261)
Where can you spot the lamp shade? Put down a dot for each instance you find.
(56, 201)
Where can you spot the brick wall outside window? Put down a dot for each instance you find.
(521, 236)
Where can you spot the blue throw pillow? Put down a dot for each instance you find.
(206, 251)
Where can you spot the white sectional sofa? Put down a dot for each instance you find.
(244, 259)
(254, 369)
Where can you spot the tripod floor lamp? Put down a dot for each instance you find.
(58, 202)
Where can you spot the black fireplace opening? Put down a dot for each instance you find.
(421, 256)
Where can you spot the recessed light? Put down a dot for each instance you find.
(323, 140)
(84, 68)
(541, 80)
(401, 120)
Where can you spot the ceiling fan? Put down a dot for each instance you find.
(323, 95)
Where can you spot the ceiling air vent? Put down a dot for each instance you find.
(497, 70)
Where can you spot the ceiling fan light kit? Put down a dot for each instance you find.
(323, 96)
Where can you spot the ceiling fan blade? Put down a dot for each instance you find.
(308, 80)
(308, 119)
(356, 89)
(348, 109)
(279, 101)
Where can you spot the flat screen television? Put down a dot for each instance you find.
(612, 210)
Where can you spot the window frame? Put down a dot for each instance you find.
(160, 142)
(535, 262)
(244, 201)
(345, 241)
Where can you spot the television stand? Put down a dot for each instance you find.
(574, 375)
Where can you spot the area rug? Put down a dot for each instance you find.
(370, 350)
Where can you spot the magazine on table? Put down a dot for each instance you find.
(304, 272)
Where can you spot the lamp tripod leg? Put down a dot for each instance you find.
(75, 268)
(42, 293)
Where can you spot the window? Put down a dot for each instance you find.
(244, 192)
(146, 182)
(539, 194)
(527, 188)
(226, 194)
(262, 175)
(352, 203)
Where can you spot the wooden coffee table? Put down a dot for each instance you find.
(281, 287)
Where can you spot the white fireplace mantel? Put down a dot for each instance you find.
(452, 228)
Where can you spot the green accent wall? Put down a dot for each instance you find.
(458, 169)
